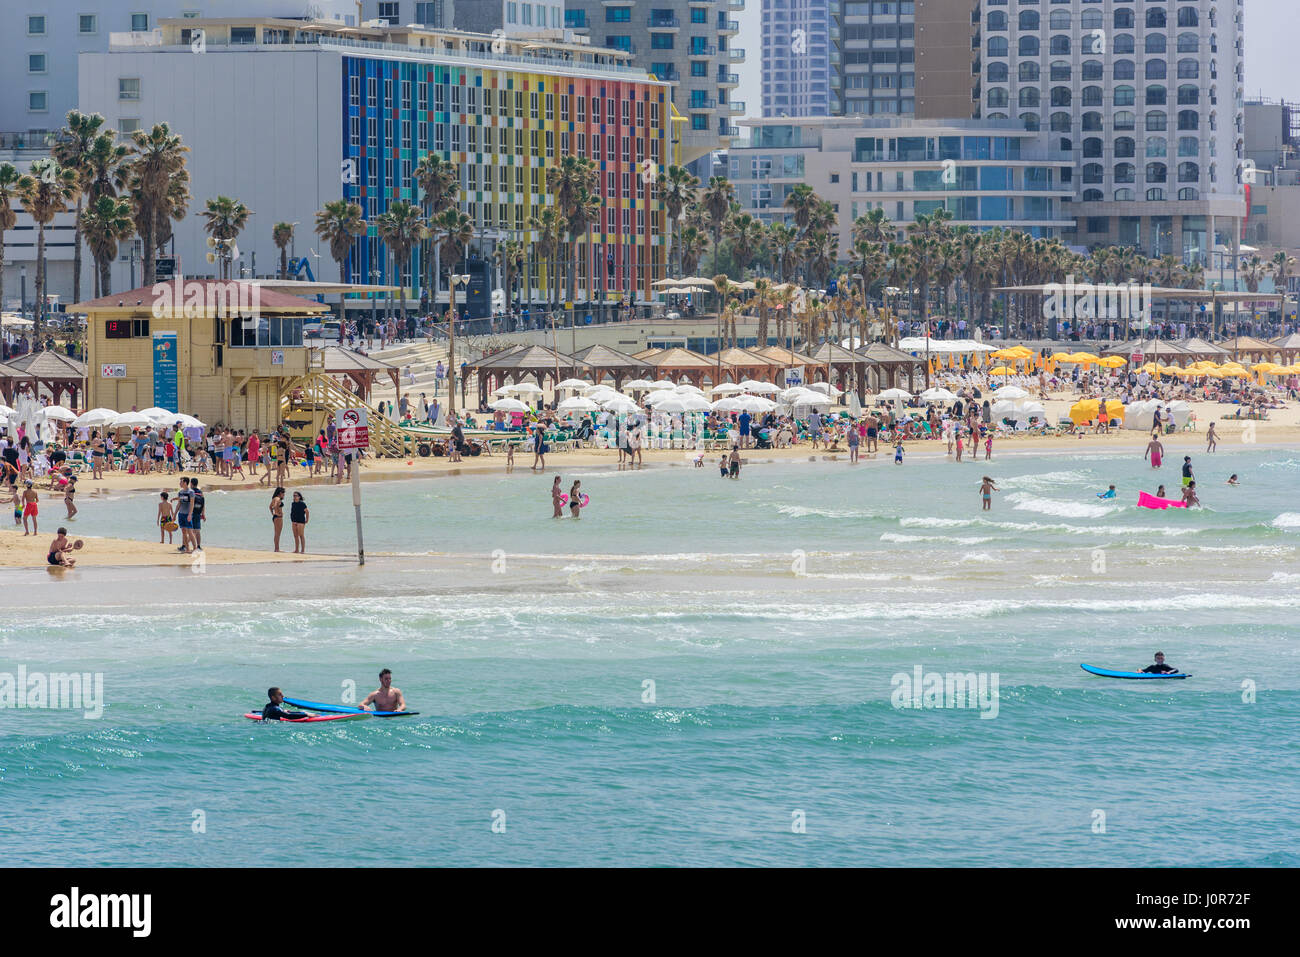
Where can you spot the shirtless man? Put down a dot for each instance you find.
(59, 550)
(1155, 452)
(1211, 438)
(386, 697)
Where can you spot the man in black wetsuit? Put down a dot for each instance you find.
(273, 710)
(1159, 668)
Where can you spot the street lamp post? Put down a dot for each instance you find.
(457, 279)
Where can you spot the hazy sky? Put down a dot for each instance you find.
(1272, 51)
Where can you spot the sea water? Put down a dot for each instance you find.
(700, 671)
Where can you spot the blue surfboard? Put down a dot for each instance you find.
(1107, 673)
(344, 709)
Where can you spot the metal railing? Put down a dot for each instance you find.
(666, 23)
(728, 79)
(35, 140)
(702, 50)
(736, 55)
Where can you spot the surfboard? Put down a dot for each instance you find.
(344, 709)
(257, 716)
(1107, 673)
(1150, 501)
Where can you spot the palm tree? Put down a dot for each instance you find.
(573, 183)
(802, 201)
(439, 183)
(746, 234)
(1281, 266)
(108, 221)
(47, 191)
(158, 186)
(1252, 274)
(339, 223)
(762, 295)
(676, 189)
(870, 266)
(73, 151)
(401, 227)
(694, 243)
(509, 256)
(451, 231)
(784, 242)
(549, 227)
(282, 236)
(823, 252)
(226, 219)
(717, 200)
(10, 185)
(873, 226)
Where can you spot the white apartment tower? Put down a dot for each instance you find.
(1148, 97)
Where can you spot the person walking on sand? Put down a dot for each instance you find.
(299, 516)
(575, 499)
(987, 488)
(988, 446)
(69, 491)
(539, 449)
(166, 525)
(30, 508)
(277, 514)
(1155, 452)
(1211, 438)
(556, 504)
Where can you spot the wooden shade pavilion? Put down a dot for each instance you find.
(1250, 348)
(678, 363)
(1288, 347)
(1199, 349)
(786, 357)
(1160, 351)
(362, 370)
(748, 364)
(56, 372)
(845, 366)
(889, 364)
(11, 380)
(525, 363)
(619, 366)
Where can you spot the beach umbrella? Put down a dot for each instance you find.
(639, 383)
(131, 420)
(937, 395)
(1087, 410)
(688, 389)
(671, 403)
(727, 388)
(661, 384)
(654, 399)
(526, 388)
(695, 403)
(1010, 392)
(1112, 362)
(894, 395)
(507, 405)
(826, 389)
(189, 422)
(756, 403)
(94, 417)
(58, 413)
(1002, 370)
(728, 404)
(158, 415)
(573, 384)
(577, 404)
(753, 385)
(620, 405)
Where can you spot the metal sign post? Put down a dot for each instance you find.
(353, 436)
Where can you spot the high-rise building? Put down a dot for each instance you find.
(797, 54)
(688, 43)
(39, 44)
(1148, 98)
(289, 115)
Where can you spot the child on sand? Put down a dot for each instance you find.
(17, 498)
(898, 452)
(987, 488)
(59, 549)
(166, 520)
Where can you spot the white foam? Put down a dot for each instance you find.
(801, 511)
(1287, 520)
(955, 540)
(1060, 509)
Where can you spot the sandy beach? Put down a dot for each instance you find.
(20, 551)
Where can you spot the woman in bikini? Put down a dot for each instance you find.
(277, 514)
(575, 499)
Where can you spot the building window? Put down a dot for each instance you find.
(36, 63)
(139, 22)
(128, 124)
(36, 26)
(390, 11)
(618, 14)
(37, 101)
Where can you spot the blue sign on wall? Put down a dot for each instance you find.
(164, 371)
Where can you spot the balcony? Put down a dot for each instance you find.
(728, 79)
(701, 103)
(727, 26)
(737, 107)
(702, 50)
(663, 23)
(728, 130)
(736, 55)
(735, 4)
(670, 72)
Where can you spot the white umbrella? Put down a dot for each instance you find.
(661, 384)
(524, 387)
(756, 403)
(894, 394)
(620, 405)
(728, 405)
(687, 388)
(695, 403)
(1010, 392)
(5, 410)
(671, 404)
(592, 390)
(726, 388)
(131, 420)
(639, 384)
(804, 397)
(158, 415)
(827, 389)
(93, 418)
(58, 413)
(189, 422)
(507, 405)
(577, 404)
(938, 394)
(573, 384)
(753, 385)
(663, 395)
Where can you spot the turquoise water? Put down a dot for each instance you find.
(771, 614)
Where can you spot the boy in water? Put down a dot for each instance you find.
(1189, 495)
(1232, 479)
(16, 497)
(722, 466)
(987, 488)
(898, 451)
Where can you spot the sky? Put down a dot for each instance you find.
(1272, 51)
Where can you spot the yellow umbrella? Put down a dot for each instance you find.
(1112, 362)
(1002, 370)
(1086, 410)
(1086, 357)
(1269, 367)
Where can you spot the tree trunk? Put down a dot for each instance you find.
(76, 255)
(38, 328)
(105, 277)
(147, 274)
(284, 263)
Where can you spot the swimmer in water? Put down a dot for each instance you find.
(1159, 668)
(1232, 479)
(1189, 495)
(987, 488)
(1160, 492)
(1109, 493)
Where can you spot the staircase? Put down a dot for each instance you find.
(307, 403)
